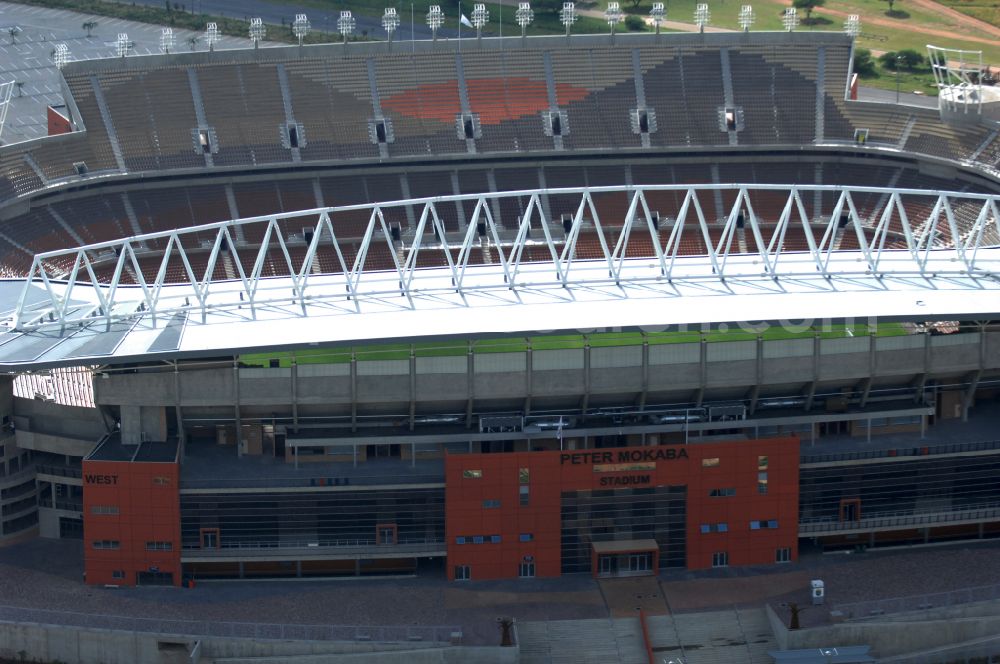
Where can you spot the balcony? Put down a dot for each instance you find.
(346, 549)
(899, 521)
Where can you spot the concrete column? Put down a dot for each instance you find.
(585, 402)
(470, 385)
(529, 368)
(645, 374)
(413, 386)
(178, 414)
(295, 395)
(236, 407)
(354, 391)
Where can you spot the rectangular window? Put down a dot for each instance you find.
(161, 481)
(118, 574)
(524, 495)
(109, 510)
(755, 525)
(764, 524)
(714, 528)
(710, 463)
(107, 544)
(526, 570)
(472, 474)
(526, 537)
(624, 467)
(159, 546)
(783, 555)
(460, 539)
(491, 504)
(494, 539)
(762, 482)
(762, 463)
(477, 539)
(773, 523)
(720, 559)
(523, 475)
(721, 493)
(463, 572)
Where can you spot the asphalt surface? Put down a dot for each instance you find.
(326, 21)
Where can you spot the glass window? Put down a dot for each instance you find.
(460, 539)
(477, 539)
(524, 495)
(720, 559)
(721, 493)
(755, 525)
(783, 555)
(773, 523)
(526, 537)
(118, 574)
(710, 463)
(706, 528)
(463, 572)
(723, 527)
(523, 475)
(491, 504)
(762, 463)
(526, 570)
(494, 539)
(472, 474)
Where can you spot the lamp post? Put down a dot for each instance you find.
(613, 15)
(524, 16)
(658, 14)
(390, 23)
(435, 19)
(567, 15)
(300, 28)
(899, 59)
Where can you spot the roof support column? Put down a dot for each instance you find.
(295, 395)
(236, 405)
(470, 385)
(527, 377)
(354, 391)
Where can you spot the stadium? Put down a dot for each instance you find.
(609, 306)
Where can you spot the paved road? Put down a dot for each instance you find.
(281, 14)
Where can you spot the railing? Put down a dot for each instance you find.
(58, 471)
(878, 607)
(222, 483)
(914, 450)
(899, 519)
(234, 630)
(411, 542)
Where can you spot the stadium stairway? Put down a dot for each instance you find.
(735, 636)
(595, 641)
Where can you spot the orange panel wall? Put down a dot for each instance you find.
(57, 122)
(148, 501)
(467, 512)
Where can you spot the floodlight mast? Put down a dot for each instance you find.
(524, 16)
(300, 27)
(702, 16)
(613, 15)
(211, 35)
(121, 44)
(790, 19)
(567, 15)
(480, 17)
(658, 15)
(390, 22)
(346, 24)
(746, 17)
(166, 39)
(852, 26)
(257, 31)
(435, 19)
(60, 57)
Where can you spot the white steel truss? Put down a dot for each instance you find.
(912, 234)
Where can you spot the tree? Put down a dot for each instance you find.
(864, 65)
(89, 26)
(635, 23)
(892, 4)
(808, 6)
(906, 59)
(636, 3)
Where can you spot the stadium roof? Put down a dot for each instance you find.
(70, 321)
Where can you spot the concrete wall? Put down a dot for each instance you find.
(53, 419)
(98, 646)
(893, 637)
(565, 373)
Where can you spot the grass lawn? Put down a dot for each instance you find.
(984, 10)
(908, 81)
(557, 342)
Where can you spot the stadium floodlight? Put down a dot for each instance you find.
(852, 26)
(480, 17)
(435, 19)
(390, 22)
(300, 27)
(567, 15)
(746, 17)
(790, 19)
(702, 16)
(658, 14)
(524, 16)
(60, 56)
(613, 15)
(257, 31)
(167, 39)
(211, 35)
(346, 24)
(122, 45)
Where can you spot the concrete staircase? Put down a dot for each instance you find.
(738, 636)
(596, 641)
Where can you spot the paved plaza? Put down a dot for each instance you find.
(28, 59)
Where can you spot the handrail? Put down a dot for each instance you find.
(646, 640)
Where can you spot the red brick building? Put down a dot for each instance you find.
(627, 510)
(131, 514)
